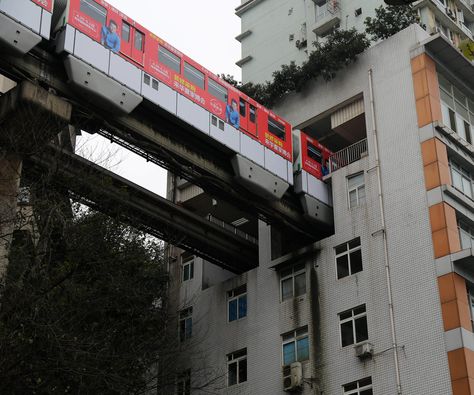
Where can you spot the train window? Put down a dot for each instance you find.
(154, 84)
(94, 10)
(146, 79)
(125, 32)
(242, 108)
(217, 90)
(276, 128)
(193, 75)
(253, 113)
(169, 59)
(314, 153)
(139, 39)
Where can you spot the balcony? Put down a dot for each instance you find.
(348, 155)
(328, 16)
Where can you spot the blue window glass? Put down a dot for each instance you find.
(189, 327)
(302, 349)
(233, 310)
(289, 353)
(243, 306)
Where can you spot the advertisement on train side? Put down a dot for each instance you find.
(314, 156)
(46, 4)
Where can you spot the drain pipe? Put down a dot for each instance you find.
(384, 234)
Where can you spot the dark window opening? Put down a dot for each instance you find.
(243, 111)
(253, 114)
(125, 32)
(94, 10)
(314, 153)
(276, 128)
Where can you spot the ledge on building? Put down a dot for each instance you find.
(246, 6)
(242, 35)
(242, 61)
(294, 257)
(461, 262)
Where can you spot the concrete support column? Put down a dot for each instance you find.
(10, 172)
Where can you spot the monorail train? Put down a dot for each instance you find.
(109, 55)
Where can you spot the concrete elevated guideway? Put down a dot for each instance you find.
(168, 141)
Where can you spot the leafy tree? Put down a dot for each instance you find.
(86, 314)
(390, 20)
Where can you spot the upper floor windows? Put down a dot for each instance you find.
(237, 367)
(185, 324)
(359, 387)
(353, 326)
(188, 268)
(237, 303)
(348, 258)
(461, 179)
(295, 346)
(356, 190)
(457, 109)
(293, 282)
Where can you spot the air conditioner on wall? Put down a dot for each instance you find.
(364, 350)
(292, 377)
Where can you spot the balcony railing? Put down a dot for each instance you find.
(330, 8)
(347, 155)
(231, 228)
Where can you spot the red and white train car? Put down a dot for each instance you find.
(311, 165)
(134, 64)
(24, 23)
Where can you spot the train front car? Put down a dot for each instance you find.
(95, 38)
(311, 165)
(24, 23)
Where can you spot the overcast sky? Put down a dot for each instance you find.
(204, 30)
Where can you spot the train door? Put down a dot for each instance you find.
(132, 42)
(248, 117)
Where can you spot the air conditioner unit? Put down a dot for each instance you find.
(292, 377)
(364, 350)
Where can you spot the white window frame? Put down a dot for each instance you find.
(293, 337)
(356, 188)
(348, 252)
(233, 359)
(466, 187)
(353, 319)
(236, 294)
(360, 387)
(186, 316)
(187, 266)
(296, 270)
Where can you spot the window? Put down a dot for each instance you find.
(276, 128)
(125, 32)
(188, 268)
(169, 59)
(348, 258)
(253, 113)
(94, 10)
(314, 153)
(183, 383)
(466, 234)
(462, 179)
(242, 107)
(353, 326)
(356, 190)
(185, 324)
(139, 40)
(237, 367)
(192, 74)
(470, 297)
(217, 90)
(293, 282)
(295, 346)
(237, 303)
(359, 387)
(457, 109)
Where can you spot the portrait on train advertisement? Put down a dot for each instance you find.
(46, 4)
(232, 114)
(109, 37)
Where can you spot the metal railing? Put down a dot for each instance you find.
(231, 228)
(347, 155)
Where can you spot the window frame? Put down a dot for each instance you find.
(191, 71)
(277, 126)
(183, 380)
(185, 316)
(170, 55)
(187, 266)
(465, 176)
(357, 188)
(353, 319)
(216, 87)
(296, 270)
(100, 8)
(349, 251)
(236, 295)
(237, 357)
(364, 385)
(293, 337)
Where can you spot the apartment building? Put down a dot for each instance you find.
(278, 32)
(385, 304)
